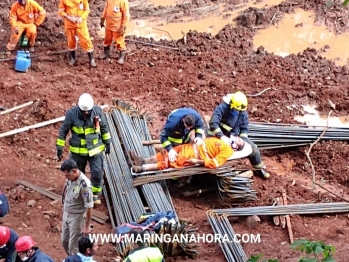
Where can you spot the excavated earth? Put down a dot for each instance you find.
(160, 80)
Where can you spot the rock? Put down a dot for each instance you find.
(31, 203)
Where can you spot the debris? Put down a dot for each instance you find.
(288, 221)
(16, 108)
(31, 203)
(50, 213)
(333, 106)
(198, 192)
(250, 221)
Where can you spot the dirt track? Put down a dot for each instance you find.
(160, 80)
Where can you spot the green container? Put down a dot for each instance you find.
(23, 41)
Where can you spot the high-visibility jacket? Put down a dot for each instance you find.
(174, 132)
(213, 151)
(227, 121)
(76, 8)
(145, 254)
(26, 14)
(116, 14)
(86, 140)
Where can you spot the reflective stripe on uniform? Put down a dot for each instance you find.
(96, 189)
(259, 166)
(215, 162)
(81, 130)
(106, 136)
(60, 142)
(226, 127)
(200, 131)
(243, 135)
(175, 140)
(216, 131)
(166, 143)
(84, 150)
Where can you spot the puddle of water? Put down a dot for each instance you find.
(212, 24)
(313, 118)
(288, 39)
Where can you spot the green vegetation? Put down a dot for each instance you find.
(315, 251)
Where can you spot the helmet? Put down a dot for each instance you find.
(24, 243)
(238, 101)
(86, 102)
(4, 235)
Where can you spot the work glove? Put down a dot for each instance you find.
(122, 30)
(172, 155)
(198, 141)
(79, 20)
(60, 154)
(226, 140)
(102, 22)
(107, 149)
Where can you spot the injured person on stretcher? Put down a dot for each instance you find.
(213, 153)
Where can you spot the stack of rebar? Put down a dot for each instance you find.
(219, 220)
(273, 135)
(234, 190)
(232, 249)
(124, 201)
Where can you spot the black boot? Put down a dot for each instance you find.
(91, 56)
(121, 59)
(106, 53)
(72, 58)
(262, 173)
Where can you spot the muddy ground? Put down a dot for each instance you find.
(160, 80)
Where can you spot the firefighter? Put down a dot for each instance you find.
(90, 138)
(213, 153)
(75, 13)
(28, 251)
(117, 16)
(23, 20)
(230, 118)
(8, 238)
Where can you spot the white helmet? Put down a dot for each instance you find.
(85, 102)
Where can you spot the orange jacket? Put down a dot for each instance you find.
(116, 14)
(76, 8)
(214, 152)
(26, 14)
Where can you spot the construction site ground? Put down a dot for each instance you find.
(159, 80)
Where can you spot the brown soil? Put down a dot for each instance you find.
(160, 80)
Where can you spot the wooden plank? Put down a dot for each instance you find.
(288, 220)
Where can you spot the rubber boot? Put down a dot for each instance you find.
(91, 57)
(72, 58)
(106, 53)
(121, 59)
(262, 173)
(96, 200)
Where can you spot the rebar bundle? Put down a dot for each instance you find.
(234, 190)
(274, 135)
(221, 226)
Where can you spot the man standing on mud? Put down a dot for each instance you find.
(22, 20)
(75, 13)
(77, 200)
(117, 16)
(90, 138)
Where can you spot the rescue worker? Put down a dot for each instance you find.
(75, 13)
(4, 205)
(8, 238)
(177, 130)
(23, 20)
(28, 251)
(212, 153)
(230, 118)
(87, 249)
(90, 138)
(77, 202)
(140, 251)
(117, 16)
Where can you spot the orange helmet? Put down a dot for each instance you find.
(24, 243)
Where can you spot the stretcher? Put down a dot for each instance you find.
(246, 151)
